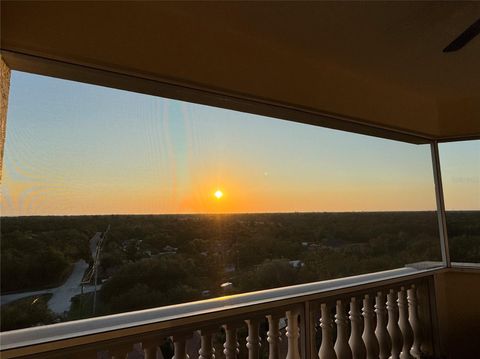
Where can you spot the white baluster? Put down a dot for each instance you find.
(120, 352)
(311, 331)
(415, 322)
(180, 347)
(231, 344)
(273, 336)
(206, 351)
(404, 324)
(342, 349)
(293, 333)
(384, 341)
(326, 348)
(393, 328)
(150, 352)
(150, 348)
(253, 339)
(369, 338)
(356, 341)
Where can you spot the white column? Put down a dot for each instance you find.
(150, 348)
(326, 348)
(404, 324)
(384, 341)
(120, 352)
(273, 336)
(180, 347)
(231, 344)
(293, 333)
(415, 322)
(356, 341)
(150, 352)
(311, 331)
(206, 351)
(393, 328)
(369, 338)
(253, 339)
(342, 349)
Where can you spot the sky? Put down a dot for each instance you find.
(78, 149)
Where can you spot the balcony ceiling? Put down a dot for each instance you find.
(371, 63)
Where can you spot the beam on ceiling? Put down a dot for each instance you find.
(168, 89)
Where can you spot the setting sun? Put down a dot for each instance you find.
(218, 194)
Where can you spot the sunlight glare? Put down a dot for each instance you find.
(219, 194)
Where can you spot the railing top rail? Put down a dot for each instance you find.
(87, 331)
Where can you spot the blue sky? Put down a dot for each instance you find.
(74, 148)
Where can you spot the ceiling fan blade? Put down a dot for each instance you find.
(465, 37)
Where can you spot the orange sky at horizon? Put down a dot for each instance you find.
(77, 149)
(235, 199)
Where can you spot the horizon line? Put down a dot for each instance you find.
(227, 213)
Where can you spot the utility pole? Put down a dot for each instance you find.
(96, 264)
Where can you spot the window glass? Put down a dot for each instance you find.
(460, 165)
(189, 202)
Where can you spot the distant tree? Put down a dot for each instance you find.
(152, 282)
(273, 273)
(25, 313)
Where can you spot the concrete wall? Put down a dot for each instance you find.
(458, 305)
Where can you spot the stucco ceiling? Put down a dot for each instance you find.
(375, 63)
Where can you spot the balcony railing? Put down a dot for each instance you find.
(381, 315)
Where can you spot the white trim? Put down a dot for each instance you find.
(442, 221)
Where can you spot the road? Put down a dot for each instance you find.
(61, 299)
(62, 295)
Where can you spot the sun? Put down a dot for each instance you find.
(218, 194)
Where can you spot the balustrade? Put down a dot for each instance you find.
(384, 340)
(414, 321)
(326, 348)
(231, 344)
(390, 328)
(356, 342)
(293, 334)
(253, 339)
(393, 327)
(207, 351)
(382, 322)
(369, 338)
(342, 349)
(273, 336)
(404, 324)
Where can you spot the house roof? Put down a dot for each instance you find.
(370, 67)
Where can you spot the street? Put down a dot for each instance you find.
(62, 295)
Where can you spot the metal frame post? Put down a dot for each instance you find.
(442, 222)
